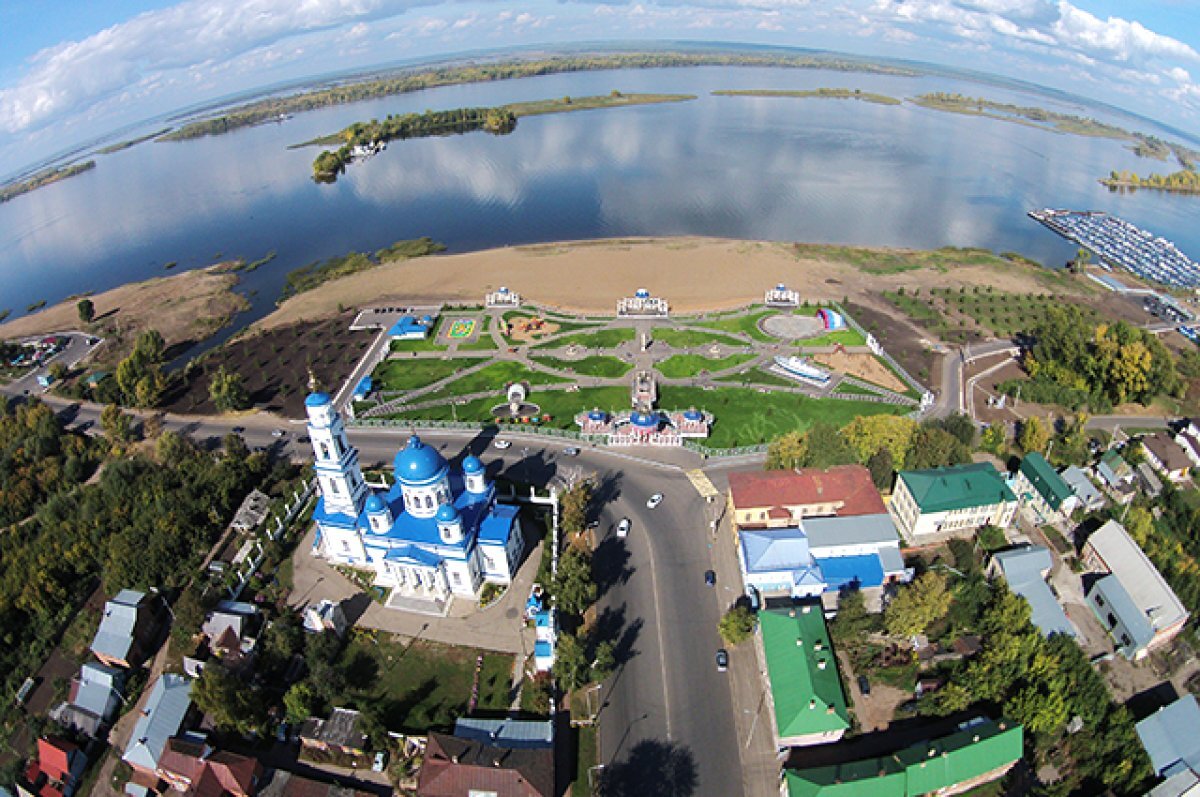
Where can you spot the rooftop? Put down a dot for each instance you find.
(1170, 738)
(1145, 586)
(1167, 451)
(507, 733)
(114, 637)
(1081, 485)
(850, 486)
(831, 532)
(956, 487)
(802, 669)
(161, 719)
(1023, 569)
(1045, 479)
(455, 767)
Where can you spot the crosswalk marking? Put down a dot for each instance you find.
(703, 486)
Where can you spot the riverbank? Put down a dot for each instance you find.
(43, 178)
(824, 93)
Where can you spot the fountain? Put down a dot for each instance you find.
(516, 407)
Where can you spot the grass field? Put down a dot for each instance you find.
(684, 365)
(692, 338)
(745, 418)
(586, 758)
(412, 374)
(423, 344)
(745, 324)
(600, 339)
(897, 261)
(758, 376)
(1002, 314)
(493, 378)
(425, 685)
(914, 307)
(597, 365)
(846, 337)
(484, 342)
(848, 387)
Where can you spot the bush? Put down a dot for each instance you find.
(737, 624)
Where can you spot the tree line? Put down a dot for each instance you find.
(1184, 181)
(38, 458)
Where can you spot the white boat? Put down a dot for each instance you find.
(799, 368)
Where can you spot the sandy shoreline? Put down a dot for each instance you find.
(587, 277)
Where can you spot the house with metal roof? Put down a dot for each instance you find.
(1171, 739)
(507, 733)
(979, 752)
(93, 700)
(807, 704)
(1131, 598)
(341, 733)
(125, 629)
(455, 766)
(781, 498)
(1088, 495)
(1166, 456)
(1040, 487)
(953, 501)
(165, 712)
(56, 772)
(1025, 569)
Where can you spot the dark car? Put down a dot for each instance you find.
(710, 578)
(864, 685)
(722, 660)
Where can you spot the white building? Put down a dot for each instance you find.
(951, 502)
(642, 304)
(502, 298)
(434, 533)
(782, 296)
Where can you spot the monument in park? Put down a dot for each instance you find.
(643, 305)
(643, 425)
(502, 297)
(782, 296)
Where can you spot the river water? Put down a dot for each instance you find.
(758, 168)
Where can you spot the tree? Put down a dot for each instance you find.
(918, 605)
(574, 589)
(605, 661)
(994, 439)
(300, 702)
(932, 447)
(737, 624)
(232, 704)
(116, 424)
(787, 451)
(227, 391)
(957, 424)
(826, 447)
(852, 619)
(570, 662)
(1034, 436)
(87, 310)
(188, 613)
(867, 434)
(574, 502)
(882, 468)
(150, 346)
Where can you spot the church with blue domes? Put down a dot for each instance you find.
(436, 532)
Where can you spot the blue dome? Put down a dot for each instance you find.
(642, 293)
(375, 504)
(446, 513)
(597, 415)
(417, 463)
(692, 415)
(472, 465)
(316, 400)
(646, 420)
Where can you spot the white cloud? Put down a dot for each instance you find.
(1120, 39)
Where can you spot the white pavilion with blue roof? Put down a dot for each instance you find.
(436, 532)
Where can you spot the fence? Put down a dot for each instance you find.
(298, 501)
(905, 375)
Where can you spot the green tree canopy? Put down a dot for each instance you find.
(737, 624)
(227, 392)
(87, 310)
(574, 588)
(918, 605)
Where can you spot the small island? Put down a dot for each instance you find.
(361, 140)
(42, 178)
(822, 93)
(1184, 181)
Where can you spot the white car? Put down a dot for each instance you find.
(278, 433)
(623, 528)
(654, 501)
(502, 444)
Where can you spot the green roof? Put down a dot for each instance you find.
(807, 696)
(921, 769)
(1045, 479)
(957, 487)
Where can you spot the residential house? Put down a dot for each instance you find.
(93, 700)
(163, 717)
(455, 766)
(325, 616)
(227, 632)
(126, 629)
(1189, 441)
(1025, 570)
(1166, 456)
(56, 772)
(507, 733)
(1132, 599)
(1086, 493)
(1170, 739)
(1043, 490)
(1149, 481)
(341, 733)
(1117, 476)
(195, 769)
(780, 498)
(951, 502)
(807, 704)
(979, 752)
(281, 783)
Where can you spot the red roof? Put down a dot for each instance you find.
(847, 485)
(455, 766)
(54, 757)
(210, 775)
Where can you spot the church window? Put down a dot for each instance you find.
(345, 547)
(428, 502)
(457, 578)
(324, 451)
(333, 487)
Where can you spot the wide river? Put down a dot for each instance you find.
(757, 168)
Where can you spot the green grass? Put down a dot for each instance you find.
(585, 759)
(413, 374)
(600, 339)
(875, 261)
(424, 685)
(559, 404)
(914, 307)
(484, 342)
(600, 365)
(758, 376)
(684, 365)
(823, 93)
(424, 344)
(846, 337)
(493, 378)
(849, 387)
(746, 417)
(692, 338)
(613, 100)
(746, 324)
(1003, 314)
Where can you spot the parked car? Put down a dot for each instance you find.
(380, 761)
(722, 660)
(238, 429)
(864, 685)
(623, 528)
(570, 451)
(502, 444)
(710, 578)
(277, 433)
(654, 501)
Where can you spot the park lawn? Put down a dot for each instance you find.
(587, 757)
(493, 378)
(850, 387)
(758, 376)
(600, 339)
(746, 417)
(561, 405)
(423, 344)
(422, 686)
(914, 307)
(692, 338)
(846, 337)
(746, 324)
(484, 341)
(597, 365)
(413, 374)
(685, 365)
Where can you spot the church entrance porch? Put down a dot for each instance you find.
(408, 602)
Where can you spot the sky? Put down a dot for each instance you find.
(72, 70)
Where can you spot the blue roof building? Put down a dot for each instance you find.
(436, 532)
(1024, 570)
(1170, 738)
(409, 327)
(164, 715)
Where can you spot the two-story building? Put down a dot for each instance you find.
(953, 501)
(1040, 487)
(807, 704)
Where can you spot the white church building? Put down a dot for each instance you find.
(436, 532)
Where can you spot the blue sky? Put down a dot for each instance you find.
(71, 70)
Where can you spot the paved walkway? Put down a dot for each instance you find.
(498, 627)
